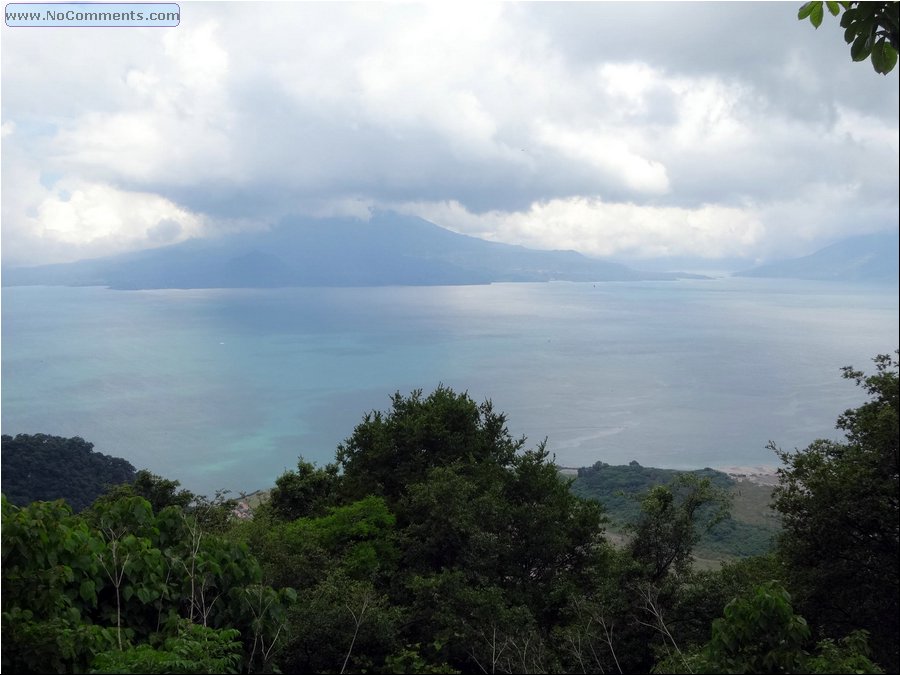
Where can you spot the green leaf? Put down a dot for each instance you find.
(866, 9)
(806, 9)
(870, 40)
(139, 512)
(878, 56)
(848, 18)
(87, 590)
(816, 15)
(859, 51)
(884, 57)
(833, 7)
(145, 595)
(890, 58)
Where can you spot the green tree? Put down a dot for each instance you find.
(51, 576)
(356, 539)
(872, 29)
(123, 579)
(516, 528)
(761, 633)
(307, 491)
(703, 594)
(440, 539)
(341, 625)
(758, 635)
(194, 649)
(839, 508)
(553, 539)
(673, 519)
(642, 604)
(389, 452)
(213, 514)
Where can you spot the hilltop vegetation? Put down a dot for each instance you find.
(437, 542)
(44, 468)
(748, 529)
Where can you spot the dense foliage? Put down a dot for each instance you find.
(122, 589)
(44, 468)
(760, 633)
(437, 542)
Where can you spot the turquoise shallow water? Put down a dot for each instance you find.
(226, 388)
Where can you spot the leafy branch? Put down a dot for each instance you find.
(872, 29)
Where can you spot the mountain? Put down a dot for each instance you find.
(389, 249)
(870, 258)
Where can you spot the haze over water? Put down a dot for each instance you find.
(226, 388)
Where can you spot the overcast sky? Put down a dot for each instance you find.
(712, 129)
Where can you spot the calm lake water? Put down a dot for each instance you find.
(226, 388)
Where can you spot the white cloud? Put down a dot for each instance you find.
(175, 127)
(610, 154)
(199, 61)
(85, 213)
(77, 219)
(709, 113)
(868, 131)
(628, 84)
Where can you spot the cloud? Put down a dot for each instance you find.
(76, 217)
(601, 127)
(174, 126)
(610, 154)
(600, 228)
(789, 227)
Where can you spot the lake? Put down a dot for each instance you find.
(226, 388)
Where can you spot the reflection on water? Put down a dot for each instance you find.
(225, 388)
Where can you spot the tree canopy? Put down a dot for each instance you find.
(44, 468)
(130, 591)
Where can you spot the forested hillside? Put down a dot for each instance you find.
(43, 468)
(437, 542)
(749, 527)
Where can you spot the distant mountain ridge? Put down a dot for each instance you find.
(871, 258)
(389, 249)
